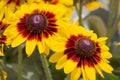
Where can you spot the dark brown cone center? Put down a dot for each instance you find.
(36, 22)
(85, 47)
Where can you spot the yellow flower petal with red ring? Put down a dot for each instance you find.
(83, 51)
(36, 25)
(75, 74)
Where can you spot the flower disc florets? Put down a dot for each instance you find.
(36, 22)
(85, 47)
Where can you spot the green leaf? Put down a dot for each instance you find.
(114, 77)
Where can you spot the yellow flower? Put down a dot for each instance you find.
(118, 43)
(80, 52)
(4, 75)
(93, 5)
(36, 25)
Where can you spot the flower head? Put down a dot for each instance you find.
(35, 24)
(81, 52)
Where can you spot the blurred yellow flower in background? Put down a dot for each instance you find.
(4, 75)
(93, 5)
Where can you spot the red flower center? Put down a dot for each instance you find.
(36, 22)
(85, 47)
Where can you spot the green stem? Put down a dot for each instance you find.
(77, 10)
(111, 30)
(68, 77)
(46, 67)
(19, 63)
(80, 12)
(112, 10)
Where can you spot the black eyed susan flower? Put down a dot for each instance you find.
(81, 53)
(34, 24)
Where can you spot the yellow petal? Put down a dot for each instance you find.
(93, 37)
(1, 13)
(41, 47)
(2, 50)
(106, 55)
(99, 70)
(30, 46)
(47, 41)
(75, 74)
(69, 66)
(4, 75)
(2, 9)
(56, 56)
(105, 67)
(11, 32)
(93, 5)
(58, 45)
(105, 60)
(118, 43)
(47, 50)
(84, 74)
(90, 72)
(17, 41)
(102, 39)
(76, 30)
(104, 48)
(1, 53)
(64, 31)
(61, 62)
